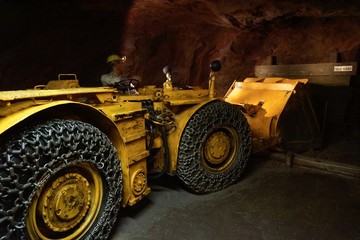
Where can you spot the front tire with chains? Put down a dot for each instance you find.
(59, 179)
(214, 148)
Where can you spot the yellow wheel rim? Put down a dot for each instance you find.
(219, 149)
(67, 204)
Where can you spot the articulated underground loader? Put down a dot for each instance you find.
(71, 156)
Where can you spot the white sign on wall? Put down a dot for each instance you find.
(343, 68)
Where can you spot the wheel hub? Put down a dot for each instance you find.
(139, 182)
(217, 148)
(65, 202)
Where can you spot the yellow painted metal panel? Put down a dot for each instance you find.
(187, 101)
(36, 93)
(59, 84)
(272, 96)
(267, 97)
(24, 112)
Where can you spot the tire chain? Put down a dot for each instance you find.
(189, 168)
(23, 170)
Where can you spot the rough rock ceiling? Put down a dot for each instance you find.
(39, 40)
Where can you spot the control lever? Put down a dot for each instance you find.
(168, 83)
(215, 66)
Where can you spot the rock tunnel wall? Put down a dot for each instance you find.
(39, 40)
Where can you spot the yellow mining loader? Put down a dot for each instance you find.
(71, 156)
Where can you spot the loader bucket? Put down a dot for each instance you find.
(278, 111)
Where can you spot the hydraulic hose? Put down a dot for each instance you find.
(152, 136)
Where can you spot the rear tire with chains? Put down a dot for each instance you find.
(59, 179)
(214, 148)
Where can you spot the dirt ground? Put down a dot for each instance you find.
(270, 202)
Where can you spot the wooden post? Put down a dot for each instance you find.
(335, 57)
(271, 60)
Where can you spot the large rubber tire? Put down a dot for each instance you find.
(59, 179)
(214, 148)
